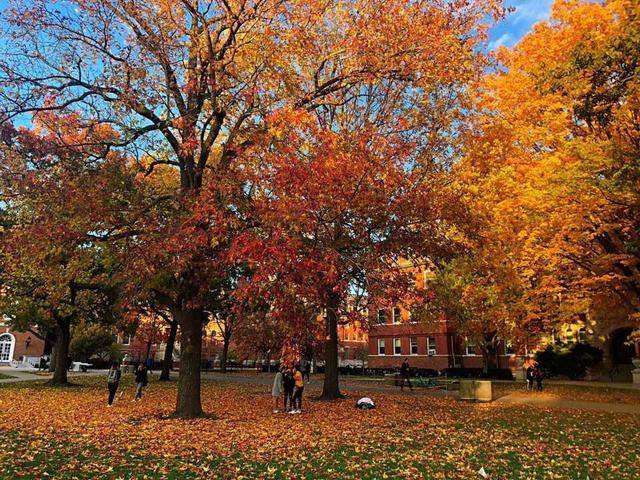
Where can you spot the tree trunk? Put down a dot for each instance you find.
(331, 387)
(488, 356)
(189, 404)
(225, 353)
(167, 363)
(61, 354)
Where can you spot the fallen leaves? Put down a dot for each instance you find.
(70, 433)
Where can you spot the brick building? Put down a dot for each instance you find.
(19, 347)
(394, 337)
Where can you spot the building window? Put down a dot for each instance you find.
(397, 346)
(470, 348)
(431, 345)
(397, 315)
(382, 316)
(126, 339)
(7, 344)
(414, 345)
(381, 346)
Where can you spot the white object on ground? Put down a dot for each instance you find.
(482, 473)
(365, 403)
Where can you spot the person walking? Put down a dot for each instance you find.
(288, 385)
(276, 391)
(529, 377)
(539, 376)
(142, 380)
(113, 380)
(405, 374)
(298, 389)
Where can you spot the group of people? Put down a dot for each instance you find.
(534, 375)
(113, 381)
(288, 386)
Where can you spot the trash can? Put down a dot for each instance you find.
(483, 391)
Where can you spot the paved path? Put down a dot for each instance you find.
(18, 375)
(565, 404)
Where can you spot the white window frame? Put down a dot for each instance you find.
(126, 340)
(383, 344)
(384, 313)
(469, 345)
(12, 346)
(394, 347)
(413, 342)
(396, 318)
(432, 350)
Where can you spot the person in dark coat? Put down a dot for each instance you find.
(405, 374)
(539, 377)
(149, 364)
(288, 385)
(142, 380)
(113, 380)
(306, 372)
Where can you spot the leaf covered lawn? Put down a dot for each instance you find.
(70, 433)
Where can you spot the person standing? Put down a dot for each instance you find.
(113, 380)
(298, 389)
(149, 364)
(307, 371)
(529, 377)
(142, 380)
(405, 374)
(288, 384)
(276, 391)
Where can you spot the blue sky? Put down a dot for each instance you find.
(517, 24)
(507, 32)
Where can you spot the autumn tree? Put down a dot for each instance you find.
(554, 160)
(196, 81)
(54, 272)
(344, 212)
(480, 297)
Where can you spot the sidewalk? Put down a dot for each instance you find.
(564, 404)
(22, 375)
(18, 375)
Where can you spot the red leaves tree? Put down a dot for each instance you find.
(340, 215)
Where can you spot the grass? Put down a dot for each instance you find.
(70, 433)
(4, 376)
